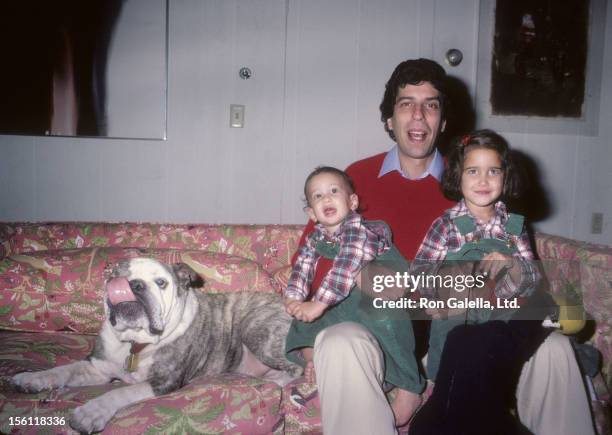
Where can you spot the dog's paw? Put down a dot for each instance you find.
(91, 417)
(33, 382)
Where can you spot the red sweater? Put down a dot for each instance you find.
(408, 206)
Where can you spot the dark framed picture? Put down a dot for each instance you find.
(93, 68)
(539, 65)
(539, 57)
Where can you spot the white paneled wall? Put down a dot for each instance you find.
(17, 178)
(319, 69)
(339, 57)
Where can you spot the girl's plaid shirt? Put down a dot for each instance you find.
(444, 237)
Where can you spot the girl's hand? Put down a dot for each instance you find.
(493, 263)
(309, 311)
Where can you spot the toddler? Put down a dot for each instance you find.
(345, 238)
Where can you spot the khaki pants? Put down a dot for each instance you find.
(349, 367)
(551, 398)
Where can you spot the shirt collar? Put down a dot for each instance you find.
(392, 163)
(500, 216)
(353, 219)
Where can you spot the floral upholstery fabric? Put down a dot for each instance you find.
(28, 352)
(51, 278)
(583, 272)
(224, 404)
(302, 408)
(228, 403)
(269, 245)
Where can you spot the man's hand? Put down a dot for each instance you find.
(309, 311)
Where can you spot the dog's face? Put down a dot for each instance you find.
(141, 294)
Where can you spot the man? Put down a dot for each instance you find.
(401, 187)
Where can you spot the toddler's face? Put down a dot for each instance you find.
(329, 200)
(482, 181)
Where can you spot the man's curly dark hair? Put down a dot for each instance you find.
(413, 72)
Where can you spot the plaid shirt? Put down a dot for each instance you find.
(444, 237)
(359, 243)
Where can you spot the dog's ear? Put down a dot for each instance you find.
(187, 277)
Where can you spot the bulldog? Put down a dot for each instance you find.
(160, 333)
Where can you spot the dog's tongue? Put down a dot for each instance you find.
(119, 290)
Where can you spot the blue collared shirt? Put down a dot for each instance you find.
(392, 163)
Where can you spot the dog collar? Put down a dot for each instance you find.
(131, 361)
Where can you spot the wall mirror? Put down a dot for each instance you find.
(95, 68)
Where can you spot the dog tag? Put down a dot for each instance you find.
(132, 362)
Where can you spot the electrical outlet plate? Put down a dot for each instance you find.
(236, 115)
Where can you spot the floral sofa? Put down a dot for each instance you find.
(51, 279)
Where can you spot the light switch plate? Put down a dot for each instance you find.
(236, 115)
(596, 223)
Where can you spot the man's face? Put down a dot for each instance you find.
(416, 121)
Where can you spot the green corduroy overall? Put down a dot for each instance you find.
(472, 251)
(393, 332)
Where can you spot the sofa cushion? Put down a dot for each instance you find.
(301, 407)
(228, 403)
(270, 245)
(63, 290)
(54, 407)
(29, 352)
(23, 351)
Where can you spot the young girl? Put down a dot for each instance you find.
(480, 231)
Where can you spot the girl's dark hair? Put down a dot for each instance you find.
(413, 72)
(328, 170)
(485, 139)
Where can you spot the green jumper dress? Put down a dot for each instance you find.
(393, 332)
(471, 251)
